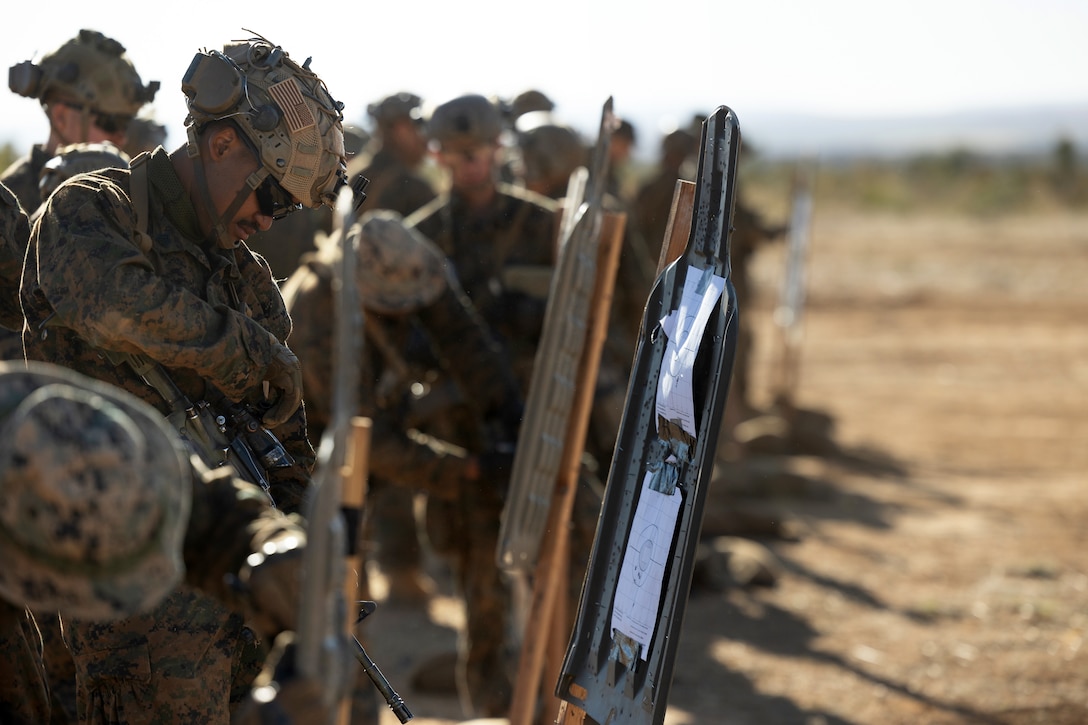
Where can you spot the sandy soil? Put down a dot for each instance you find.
(937, 571)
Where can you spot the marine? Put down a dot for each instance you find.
(416, 317)
(149, 265)
(104, 511)
(500, 241)
(89, 90)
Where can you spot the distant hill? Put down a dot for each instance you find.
(995, 131)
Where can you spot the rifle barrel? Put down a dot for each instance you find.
(395, 701)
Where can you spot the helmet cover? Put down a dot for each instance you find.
(95, 493)
(91, 70)
(282, 108)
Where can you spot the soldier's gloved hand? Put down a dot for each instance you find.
(284, 375)
(272, 581)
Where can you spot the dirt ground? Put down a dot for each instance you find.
(934, 565)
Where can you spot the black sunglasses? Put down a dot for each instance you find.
(273, 200)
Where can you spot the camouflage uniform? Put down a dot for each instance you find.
(429, 307)
(24, 696)
(214, 321)
(125, 499)
(407, 296)
(391, 160)
(488, 250)
(393, 185)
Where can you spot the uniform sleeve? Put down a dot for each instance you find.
(14, 235)
(104, 288)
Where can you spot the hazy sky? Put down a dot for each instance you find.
(660, 60)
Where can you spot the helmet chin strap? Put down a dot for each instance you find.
(220, 232)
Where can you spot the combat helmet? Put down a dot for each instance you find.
(144, 134)
(91, 71)
(468, 119)
(283, 110)
(282, 107)
(79, 158)
(396, 106)
(95, 494)
(398, 269)
(529, 101)
(550, 153)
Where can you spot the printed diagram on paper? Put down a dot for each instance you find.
(638, 589)
(684, 328)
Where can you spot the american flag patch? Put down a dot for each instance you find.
(288, 96)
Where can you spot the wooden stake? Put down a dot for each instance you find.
(678, 228)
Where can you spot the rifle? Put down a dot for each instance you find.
(221, 433)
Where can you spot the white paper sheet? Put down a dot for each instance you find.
(684, 328)
(638, 590)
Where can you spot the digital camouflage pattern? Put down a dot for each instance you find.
(95, 496)
(231, 520)
(442, 316)
(208, 315)
(399, 350)
(24, 697)
(515, 233)
(90, 70)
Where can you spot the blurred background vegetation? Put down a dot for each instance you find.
(958, 181)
